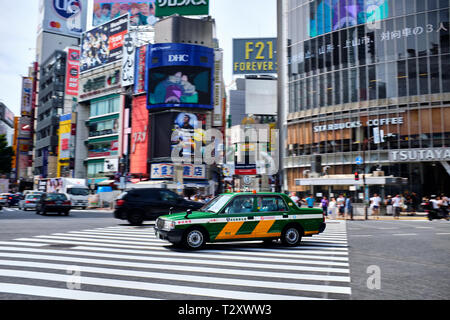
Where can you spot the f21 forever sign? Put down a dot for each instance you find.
(255, 56)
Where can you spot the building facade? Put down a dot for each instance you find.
(369, 79)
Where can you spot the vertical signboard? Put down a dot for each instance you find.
(255, 56)
(72, 71)
(104, 44)
(66, 17)
(140, 69)
(128, 57)
(27, 95)
(139, 136)
(218, 85)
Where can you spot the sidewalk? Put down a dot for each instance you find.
(403, 216)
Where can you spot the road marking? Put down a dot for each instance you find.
(361, 235)
(404, 234)
(189, 269)
(124, 284)
(183, 277)
(443, 233)
(63, 293)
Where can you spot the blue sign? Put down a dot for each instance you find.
(359, 160)
(179, 75)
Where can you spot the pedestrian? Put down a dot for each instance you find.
(375, 202)
(397, 205)
(310, 201)
(389, 207)
(332, 208)
(444, 205)
(324, 205)
(295, 198)
(340, 203)
(349, 207)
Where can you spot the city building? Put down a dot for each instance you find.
(7, 123)
(368, 88)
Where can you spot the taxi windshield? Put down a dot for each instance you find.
(216, 204)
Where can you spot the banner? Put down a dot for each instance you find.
(140, 69)
(142, 13)
(72, 71)
(104, 44)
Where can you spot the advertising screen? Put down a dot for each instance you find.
(104, 44)
(331, 15)
(142, 13)
(139, 136)
(177, 129)
(180, 75)
(26, 101)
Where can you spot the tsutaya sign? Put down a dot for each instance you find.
(419, 155)
(181, 7)
(357, 124)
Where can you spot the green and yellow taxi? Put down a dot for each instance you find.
(241, 216)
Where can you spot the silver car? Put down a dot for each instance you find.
(29, 202)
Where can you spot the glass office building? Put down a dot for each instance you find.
(370, 78)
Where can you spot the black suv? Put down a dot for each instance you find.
(137, 205)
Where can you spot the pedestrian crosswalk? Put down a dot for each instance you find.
(128, 263)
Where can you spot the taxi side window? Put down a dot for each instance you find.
(271, 204)
(242, 204)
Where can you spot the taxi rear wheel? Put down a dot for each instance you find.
(291, 236)
(194, 238)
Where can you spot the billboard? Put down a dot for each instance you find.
(66, 17)
(72, 71)
(261, 96)
(142, 13)
(166, 8)
(180, 75)
(128, 59)
(27, 94)
(255, 56)
(104, 44)
(65, 129)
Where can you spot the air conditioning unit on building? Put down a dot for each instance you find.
(378, 173)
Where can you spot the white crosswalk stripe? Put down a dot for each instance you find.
(125, 262)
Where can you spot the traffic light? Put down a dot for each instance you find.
(356, 176)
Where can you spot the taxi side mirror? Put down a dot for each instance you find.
(188, 212)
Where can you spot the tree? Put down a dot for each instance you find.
(6, 154)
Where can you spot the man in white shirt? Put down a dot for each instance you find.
(397, 204)
(375, 203)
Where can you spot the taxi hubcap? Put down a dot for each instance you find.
(195, 238)
(292, 235)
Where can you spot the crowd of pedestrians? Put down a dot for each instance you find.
(342, 207)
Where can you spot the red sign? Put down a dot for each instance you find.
(139, 136)
(72, 71)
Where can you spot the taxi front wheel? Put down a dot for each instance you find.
(291, 236)
(193, 239)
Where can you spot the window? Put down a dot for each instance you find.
(106, 106)
(271, 204)
(240, 204)
(168, 196)
(94, 168)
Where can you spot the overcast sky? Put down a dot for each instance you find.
(18, 25)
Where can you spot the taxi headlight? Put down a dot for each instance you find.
(168, 225)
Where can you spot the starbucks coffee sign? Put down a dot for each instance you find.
(166, 8)
(420, 155)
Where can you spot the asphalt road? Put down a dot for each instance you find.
(356, 260)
